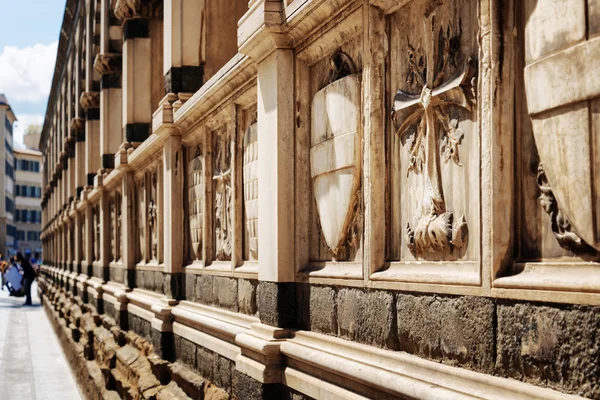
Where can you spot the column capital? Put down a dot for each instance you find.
(138, 9)
(77, 125)
(89, 100)
(108, 63)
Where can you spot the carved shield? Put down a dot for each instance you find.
(563, 90)
(335, 156)
(196, 198)
(251, 187)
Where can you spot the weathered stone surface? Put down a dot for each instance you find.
(204, 289)
(455, 330)
(190, 287)
(321, 309)
(247, 296)
(205, 362)
(222, 368)
(246, 388)
(367, 317)
(187, 353)
(556, 346)
(277, 304)
(225, 292)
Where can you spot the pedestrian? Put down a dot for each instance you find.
(28, 276)
(3, 267)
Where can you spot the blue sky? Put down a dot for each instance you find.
(29, 31)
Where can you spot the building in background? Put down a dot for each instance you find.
(8, 231)
(28, 195)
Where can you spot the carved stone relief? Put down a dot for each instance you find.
(439, 90)
(196, 201)
(118, 242)
(335, 154)
(153, 217)
(222, 193)
(142, 218)
(562, 95)
(96, 225)
(561, 226)
(112, 229)
(250, 181)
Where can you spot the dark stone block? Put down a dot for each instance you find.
(225, 292)
(454, 330)
(222, 368)
(174, 285)
(92, 114)
(205, 361)
(277, 304)
(247, 296)
(548, 345)
(320, 311)
(90, 179)
(190, 287)
(110, 81)
(137, 132)
(164, 344)
(367, 317)
(204, 289)
(187, 79)
(139, 279)
(136, 28)
(131, 278)
(158, 282)
(247, 388)
(108, 160)
(186, 352)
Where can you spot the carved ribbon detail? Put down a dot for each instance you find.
(563, 231)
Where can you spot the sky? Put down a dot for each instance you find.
(29, 32)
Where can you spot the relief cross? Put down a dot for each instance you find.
(429, 110)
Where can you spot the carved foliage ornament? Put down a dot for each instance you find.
(442, 82)
(335, 154)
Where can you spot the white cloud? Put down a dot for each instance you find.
(26, 73)
(24, 120)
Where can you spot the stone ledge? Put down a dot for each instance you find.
(112, 364)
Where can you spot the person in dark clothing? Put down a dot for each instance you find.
(28, 276)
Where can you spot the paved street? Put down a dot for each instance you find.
(32, 365)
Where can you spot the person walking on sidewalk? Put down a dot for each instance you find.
(28, 276)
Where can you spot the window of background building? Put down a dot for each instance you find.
(9, 169)
(10, 206)
(20, 235)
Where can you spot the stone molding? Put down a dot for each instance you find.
(274, 355)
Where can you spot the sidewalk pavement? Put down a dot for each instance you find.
(32, 364)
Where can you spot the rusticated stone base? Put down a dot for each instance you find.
(110, 363)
